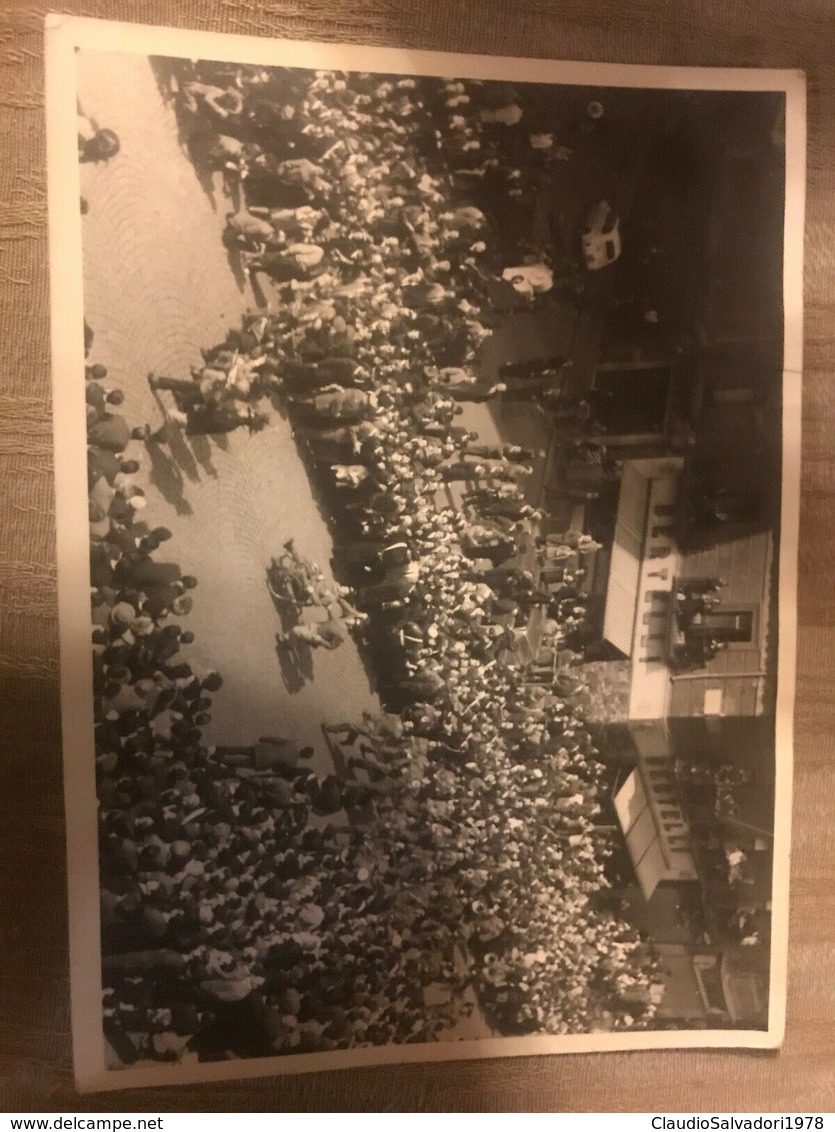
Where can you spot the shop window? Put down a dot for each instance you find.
(713, 701)
(729, 625)
(658, 595)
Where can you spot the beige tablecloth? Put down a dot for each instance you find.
(35, 1069)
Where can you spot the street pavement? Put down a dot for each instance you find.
(158, 286)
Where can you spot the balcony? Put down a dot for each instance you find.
(699, 628)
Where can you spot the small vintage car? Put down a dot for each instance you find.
(601, 237)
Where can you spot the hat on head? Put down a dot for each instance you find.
(122, 613)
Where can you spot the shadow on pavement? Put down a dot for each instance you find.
(194, 132)
(233, 258)
(260, 295)
(206, 180)
(181, 453)
(296, 663)
(202, 451)
(167, 477)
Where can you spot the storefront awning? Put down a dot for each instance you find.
(642, 840)
(625, 567)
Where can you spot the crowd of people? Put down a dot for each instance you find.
(694, 643)
(251, 906)
(232, 924)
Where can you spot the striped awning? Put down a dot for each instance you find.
(625, 567)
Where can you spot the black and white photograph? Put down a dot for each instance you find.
(427, 590)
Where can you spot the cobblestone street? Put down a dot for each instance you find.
(158, 287)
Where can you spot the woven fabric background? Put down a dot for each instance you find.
(35, 1066)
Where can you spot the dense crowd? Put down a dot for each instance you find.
(251, 906)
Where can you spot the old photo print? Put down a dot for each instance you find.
(427, 588)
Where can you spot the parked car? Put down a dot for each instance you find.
(529, 278)
(601, 237)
